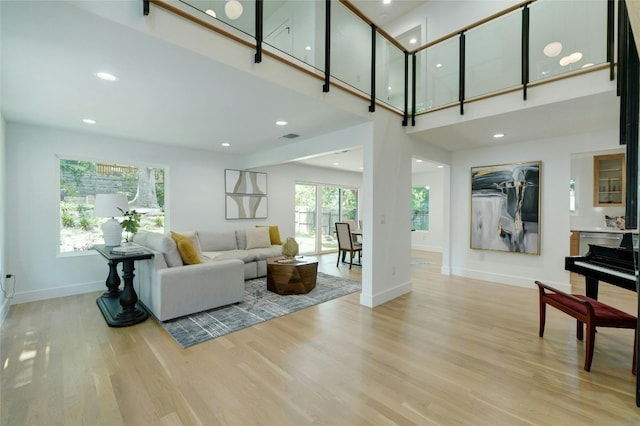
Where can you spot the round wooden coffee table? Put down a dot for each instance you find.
(298, 277)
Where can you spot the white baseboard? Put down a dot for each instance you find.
(512, 280)
(51, 293)
(372, 301)
(4, 310)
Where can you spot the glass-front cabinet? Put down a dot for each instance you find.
(608, 180)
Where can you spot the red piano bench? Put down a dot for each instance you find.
(588, 311)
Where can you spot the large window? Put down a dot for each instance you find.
(80, 181)
(420, 208)
(334, 203)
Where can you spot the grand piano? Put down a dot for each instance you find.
(613, 265)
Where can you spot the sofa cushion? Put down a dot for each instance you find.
(274, 234)
(217, 241)
(195, 240)
(186, 248)
(245, 255)
(241, 239)
(163, 244)
(257, 238)
(266, 253)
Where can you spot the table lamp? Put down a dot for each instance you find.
(108, 205)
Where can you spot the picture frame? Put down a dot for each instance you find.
(245, 182)
(505, 207)
(238, 206)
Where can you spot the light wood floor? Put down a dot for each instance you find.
(452, 352)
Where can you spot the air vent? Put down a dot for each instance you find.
(291, 136)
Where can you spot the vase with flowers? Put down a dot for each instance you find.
(130, 224)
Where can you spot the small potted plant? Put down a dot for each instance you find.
(130, 224)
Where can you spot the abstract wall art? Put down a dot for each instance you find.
(245, 182)
(246, 206)
(505, 207)
(246, 194)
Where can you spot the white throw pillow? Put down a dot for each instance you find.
(258, 238)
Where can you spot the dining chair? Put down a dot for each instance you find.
(346, 244)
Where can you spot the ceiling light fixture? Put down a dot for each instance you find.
(336, 164)
(440, 166)
(233, 9)
(498, 135)
(386, 1)
(211, 12)
(106, 76)
(281, 123)
(587, 65)
(307, 48)
(552, 49)
(225, 144)
(438, 65)
(418, 161)
(89, 121)
(413, 40)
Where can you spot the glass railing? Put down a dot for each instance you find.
(564, 36)
(296, 29)
(493, 60)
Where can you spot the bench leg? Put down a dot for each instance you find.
(579, 330)
(588, 356)
(543, 316)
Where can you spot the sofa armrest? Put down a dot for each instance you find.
(183, 290)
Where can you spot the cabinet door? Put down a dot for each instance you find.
(609, 180)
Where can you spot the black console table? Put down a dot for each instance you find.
(121, 308)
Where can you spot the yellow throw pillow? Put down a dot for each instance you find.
(274, 234)
(187, 251)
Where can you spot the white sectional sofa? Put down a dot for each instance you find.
(169, 289)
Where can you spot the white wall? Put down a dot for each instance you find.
(520, 269)
(432, 239)
(194, 196)
(442, 17)
(4, 302)
(586, 215)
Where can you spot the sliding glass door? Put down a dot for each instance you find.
(316, 233)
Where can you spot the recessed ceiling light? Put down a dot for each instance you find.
(211, 12)
(413, 40)
(418, 161)
(389, 88)
(438, 65)
(281, 123)
(307, 48)
(225, 144)
(440, 166)
(498, 135)
(336, 164)
(106, 76)
(89, 121)
(386, 1)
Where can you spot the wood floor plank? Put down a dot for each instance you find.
(453, 351)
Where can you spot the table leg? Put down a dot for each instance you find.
(113, 280)
(124, 311)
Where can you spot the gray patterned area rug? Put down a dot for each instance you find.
(259, 305)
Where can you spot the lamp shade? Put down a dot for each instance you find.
(107, 205)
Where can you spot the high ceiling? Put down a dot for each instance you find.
(52, 49)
